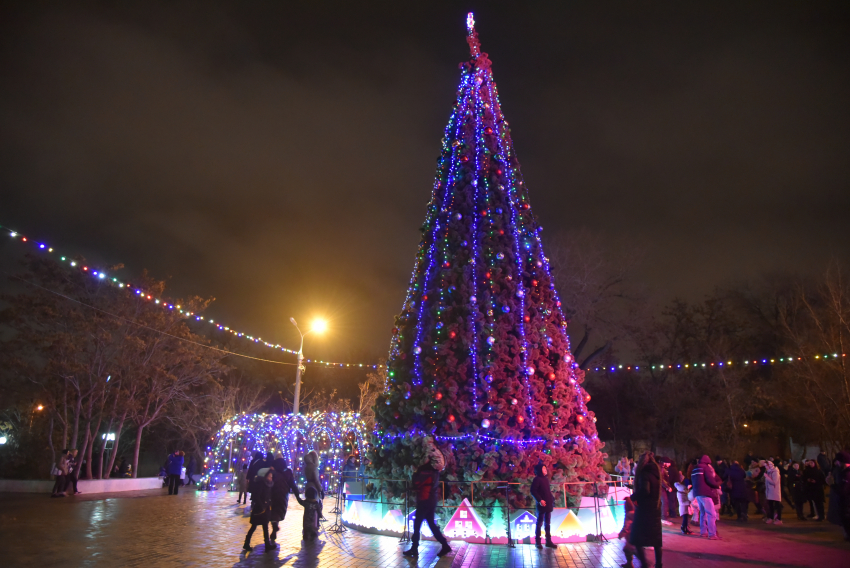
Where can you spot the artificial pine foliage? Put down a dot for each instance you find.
(480, 357)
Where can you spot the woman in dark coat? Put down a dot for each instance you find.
(813, 483)
(736, 482)
(646, 529)
(284, 483)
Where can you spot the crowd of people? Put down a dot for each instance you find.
(707, 489)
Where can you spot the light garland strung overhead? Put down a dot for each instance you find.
(696, 366)
(102, 276)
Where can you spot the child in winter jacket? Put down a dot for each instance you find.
(312, 513)
(684, 505)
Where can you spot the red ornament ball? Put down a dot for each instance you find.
(439, 396)
(551, 376)
(580, 418)
(451, 417)
(520, 419)
(396, 415)
(488, 130)
(587, 398)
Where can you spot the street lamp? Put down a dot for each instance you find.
(38, 408)
(318, 326)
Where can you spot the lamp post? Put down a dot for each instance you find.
(318, 326)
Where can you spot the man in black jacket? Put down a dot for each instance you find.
(426, 482)
(542, 493)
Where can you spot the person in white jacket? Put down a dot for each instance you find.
(684, 505)
(773, 492)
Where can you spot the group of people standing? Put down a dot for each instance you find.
(709, 489)
(269, 480)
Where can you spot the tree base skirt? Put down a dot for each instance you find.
(594, 518)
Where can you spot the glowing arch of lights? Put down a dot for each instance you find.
(333, 435)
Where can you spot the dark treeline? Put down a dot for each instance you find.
(721, 409)
(80, 358)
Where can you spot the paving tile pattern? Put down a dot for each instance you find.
(151, 529)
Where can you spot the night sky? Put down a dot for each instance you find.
(279, 158)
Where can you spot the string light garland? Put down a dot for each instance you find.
(102, 276)
(716, 364)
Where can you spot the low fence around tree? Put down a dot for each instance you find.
(596, 515)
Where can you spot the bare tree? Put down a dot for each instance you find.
(599, 293)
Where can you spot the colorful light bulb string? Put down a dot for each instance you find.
(102, 276)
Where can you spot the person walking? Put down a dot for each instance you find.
(284, 484)
(242, 485)
(773, 492)
(174, 468)
(426, 483)
(61, 473)
(736, 481)
(542, 493)
(813, 483)
(261, 500)
(705, 484)
(646, 529)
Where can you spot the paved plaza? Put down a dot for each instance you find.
(197, 528)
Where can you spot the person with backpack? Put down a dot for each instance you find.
(542, 493)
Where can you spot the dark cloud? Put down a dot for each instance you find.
(280, 158)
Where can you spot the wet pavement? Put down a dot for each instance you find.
(197, 528)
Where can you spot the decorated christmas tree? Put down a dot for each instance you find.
(480, 358)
